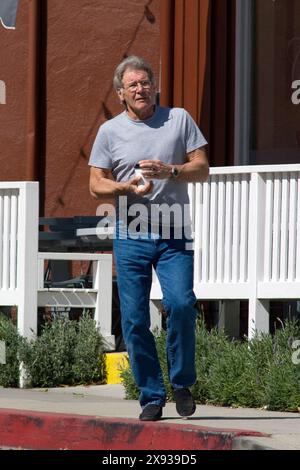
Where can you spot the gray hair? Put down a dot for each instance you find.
(131, 62)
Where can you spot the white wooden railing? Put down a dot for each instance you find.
(18, 251)
(246, 223)
(21, 266)
(98, 298)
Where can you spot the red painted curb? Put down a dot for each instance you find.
(53, 431)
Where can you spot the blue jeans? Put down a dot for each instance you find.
(173, 264)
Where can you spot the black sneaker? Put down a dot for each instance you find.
(151, 412)
(185, 404)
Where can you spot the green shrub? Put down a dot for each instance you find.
(66, 353)
(256, 373)
(89, 360)
(9, 372)
(49, 357)
(282, 383)
(131, 390)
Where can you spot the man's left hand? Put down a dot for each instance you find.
(155, 169)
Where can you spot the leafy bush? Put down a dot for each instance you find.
(66, 352)
(89, 359)
(9, 372)
(49, 357)
(255, 373)
(282, 382)
(131, 390)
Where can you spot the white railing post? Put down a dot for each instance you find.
(258, 319)
(155, 314)
(27, 265)
(103, 310)
(27, 268)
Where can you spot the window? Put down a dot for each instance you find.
(267, 117)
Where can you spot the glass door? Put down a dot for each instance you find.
(267, 108)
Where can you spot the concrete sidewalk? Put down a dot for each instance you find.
(98, 417)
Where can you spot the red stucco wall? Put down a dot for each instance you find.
(13, 71)
(83, 42)
(86, 40)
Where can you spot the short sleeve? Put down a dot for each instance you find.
(101, 155)
(194, 138)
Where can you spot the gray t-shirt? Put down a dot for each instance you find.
(168, 136)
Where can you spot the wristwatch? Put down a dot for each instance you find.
(174, 171)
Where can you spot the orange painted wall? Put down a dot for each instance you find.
(85, 43)
(13, 71)
(82, 42)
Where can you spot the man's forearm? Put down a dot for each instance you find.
(193, 172)
(106, 188)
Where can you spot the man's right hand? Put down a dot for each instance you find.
(133, 186)
(103, 185)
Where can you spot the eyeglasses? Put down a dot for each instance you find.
(132, 87)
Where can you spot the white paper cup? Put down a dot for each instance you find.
(139, 172)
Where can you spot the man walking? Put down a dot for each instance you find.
(167, 146)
